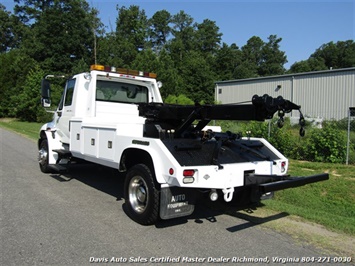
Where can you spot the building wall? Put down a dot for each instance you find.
(324, 94)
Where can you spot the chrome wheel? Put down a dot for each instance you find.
(43, 156)
(138, 196)
(142, 199)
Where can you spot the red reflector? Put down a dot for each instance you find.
(188, 172)
(171, 171)
(283, 167)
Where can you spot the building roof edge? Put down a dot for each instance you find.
(288, 75)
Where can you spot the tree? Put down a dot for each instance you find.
(328, 56)
(132, 25)
(6, 33)
(28, 106)
(198, 78)
(261, 59)
(146, 60)
(336, 55)
(347, 53)
(31, 10)
(159, 29)
(61, 33)
(183, 32)
(108, 50)
(11, 30)
(98, 29)
(131, 35)
(169, 75)
(312, 64)
(181, 99)
(207, 37)
(251, 58)
(272, 59)
(182, 24)
(13, 71)
(227, 59)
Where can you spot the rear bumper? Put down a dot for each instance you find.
(269, 183)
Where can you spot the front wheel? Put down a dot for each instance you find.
(43, 156)
(141, 195)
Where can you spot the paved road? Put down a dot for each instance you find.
(77, 218)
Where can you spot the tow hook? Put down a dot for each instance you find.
(228, 193)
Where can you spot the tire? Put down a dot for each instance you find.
(141, 195)
(43, 156)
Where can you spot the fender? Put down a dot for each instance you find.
(158, 165)
(48, 126)
(42, 132)
(159, 161)
(53, 144)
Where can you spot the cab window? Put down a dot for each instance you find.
(112, 91)
(69, 93)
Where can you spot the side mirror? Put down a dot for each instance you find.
(45, 93)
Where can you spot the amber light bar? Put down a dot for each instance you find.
(124, 71)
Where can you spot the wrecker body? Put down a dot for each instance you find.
(116, 118)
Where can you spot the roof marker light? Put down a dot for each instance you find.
(97, 67)
(125, 71)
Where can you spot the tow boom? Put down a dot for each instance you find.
(182, 116)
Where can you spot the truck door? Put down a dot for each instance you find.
(65, 111)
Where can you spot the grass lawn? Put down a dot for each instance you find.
(27, 129)
(330, 203)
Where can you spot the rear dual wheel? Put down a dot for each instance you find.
(141, 195)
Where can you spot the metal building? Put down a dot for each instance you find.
(322, 94)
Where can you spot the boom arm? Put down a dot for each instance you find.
(182, 116)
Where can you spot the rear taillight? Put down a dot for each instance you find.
(188, 172)
(283, 167)
(188, 176)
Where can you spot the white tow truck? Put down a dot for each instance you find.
(116, 117)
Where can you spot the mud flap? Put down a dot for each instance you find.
(176, 202)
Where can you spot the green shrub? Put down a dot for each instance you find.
(281, 138)
(327, 144)
(28, 100)
(27, 103)
(181, 99)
